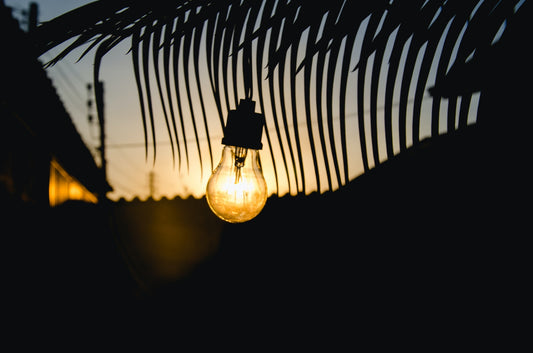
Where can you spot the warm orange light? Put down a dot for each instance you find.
(63, 187)
(236, 191)
(75, 191)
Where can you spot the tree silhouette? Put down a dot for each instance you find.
(305, 63)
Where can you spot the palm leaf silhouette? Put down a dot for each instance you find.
(306, 63)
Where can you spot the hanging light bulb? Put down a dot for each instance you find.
(236, 191)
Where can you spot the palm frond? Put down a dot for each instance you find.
(310, 65)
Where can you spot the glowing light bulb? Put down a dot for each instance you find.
(237, 191)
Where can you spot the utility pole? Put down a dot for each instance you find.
(99, 95)
(151, 183)
(33, 16)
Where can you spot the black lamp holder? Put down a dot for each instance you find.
(244, 127)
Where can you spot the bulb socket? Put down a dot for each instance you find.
(244, 127)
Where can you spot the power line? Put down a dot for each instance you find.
(125, 176)
(272, 129)
(72, 86)
(75, 72)
(134, 144)
(132, 166)
(120, 186)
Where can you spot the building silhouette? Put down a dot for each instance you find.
(43, 159)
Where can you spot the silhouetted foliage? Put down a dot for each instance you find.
(345, 51)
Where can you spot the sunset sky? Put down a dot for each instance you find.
(128, 167)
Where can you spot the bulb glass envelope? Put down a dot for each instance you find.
(236, 191)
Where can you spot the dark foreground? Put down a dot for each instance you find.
(425, 248)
